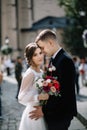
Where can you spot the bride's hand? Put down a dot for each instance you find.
(43, 96)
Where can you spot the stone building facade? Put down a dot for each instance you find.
(19, 16)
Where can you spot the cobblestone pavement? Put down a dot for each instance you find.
(12, 110)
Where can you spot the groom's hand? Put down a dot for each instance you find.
(37, 113)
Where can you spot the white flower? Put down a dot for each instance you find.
(50, 69)
(53, 68)
(40, 82)
(48, 80)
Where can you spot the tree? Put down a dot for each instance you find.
(76, 13)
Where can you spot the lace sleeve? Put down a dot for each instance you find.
(26, 94)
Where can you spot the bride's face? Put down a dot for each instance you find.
(38, 57)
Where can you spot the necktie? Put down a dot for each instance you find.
(50, 62)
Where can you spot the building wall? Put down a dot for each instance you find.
(8, 23)
(43, 8)
(28, 12)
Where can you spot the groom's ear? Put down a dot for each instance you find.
(51, 42)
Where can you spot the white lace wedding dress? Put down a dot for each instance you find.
(28, 97)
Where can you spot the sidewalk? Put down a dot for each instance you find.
(12, 110)
(82, 105)
(81, 119)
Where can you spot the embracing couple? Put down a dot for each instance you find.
(58, 112)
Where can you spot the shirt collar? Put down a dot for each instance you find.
(56, 53)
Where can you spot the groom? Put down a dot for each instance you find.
(59, 111)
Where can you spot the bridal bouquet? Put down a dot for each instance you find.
(48, 85)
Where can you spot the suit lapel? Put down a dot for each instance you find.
(58, 56)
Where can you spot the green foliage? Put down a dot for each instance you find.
(72, 37)
(69, 7)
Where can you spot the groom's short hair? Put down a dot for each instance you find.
(45, 35)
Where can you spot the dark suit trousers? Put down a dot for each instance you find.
(61, 125)
(19, 84)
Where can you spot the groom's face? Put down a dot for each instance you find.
(45, 47)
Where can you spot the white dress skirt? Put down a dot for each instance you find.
(28, 97)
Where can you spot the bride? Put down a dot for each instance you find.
(28, 94)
